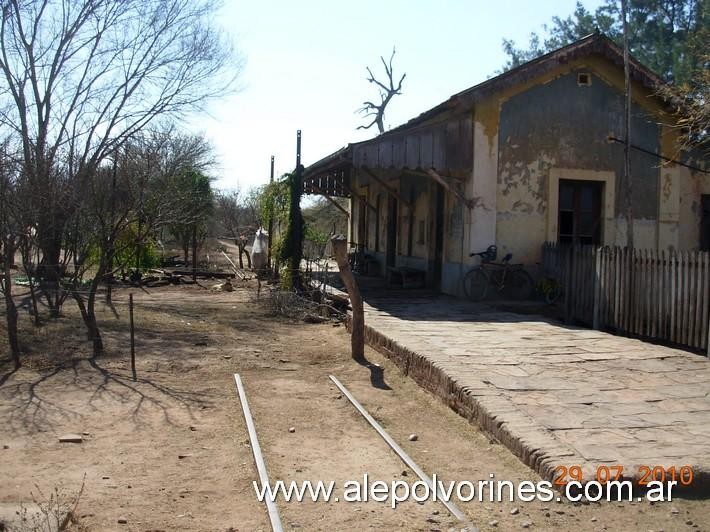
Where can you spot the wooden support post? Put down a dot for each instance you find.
(387, 187)
(133, 341)
(444, 183)
(340, 250)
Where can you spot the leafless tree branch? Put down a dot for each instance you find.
(387, 91)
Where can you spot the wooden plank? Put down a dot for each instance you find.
(639, 265)
(640, 273)
(626, 296)
(622, 287)
(693, 298)
(426, 158)
(699, 326)
(412, 151)
(686, 299)
(439, 142)
(706, 296)
(646, 295)
(617, 289)
(598, 287)
(575, 282)
(657, 294)
(662, 291)
(668, 295)
(567, 253)
(610, 287)
(680, 308)
(688, 329)
(673, 279)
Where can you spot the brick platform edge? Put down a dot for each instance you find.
(496, 415)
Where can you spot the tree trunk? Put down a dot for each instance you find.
(11, 312)
(194, 252)
(26, 251)
(33, 296)
(92, 325)
(92, 328)
(357, 339)
(88, 312)
(49, 234)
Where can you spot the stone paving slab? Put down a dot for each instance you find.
(555, 395)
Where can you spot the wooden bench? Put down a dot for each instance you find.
(405, 277)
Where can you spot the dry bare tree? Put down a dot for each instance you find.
(144, 188)
(79, 78)
(387, 89)
(9, 237)
(236, 214)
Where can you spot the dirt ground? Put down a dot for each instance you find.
(170, 451)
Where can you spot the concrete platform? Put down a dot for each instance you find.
(554, 395)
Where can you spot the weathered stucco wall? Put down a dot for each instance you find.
(562, 125)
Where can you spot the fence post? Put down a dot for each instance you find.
(133, 343)
(357, 339)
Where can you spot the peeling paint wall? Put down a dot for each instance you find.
(560, 124)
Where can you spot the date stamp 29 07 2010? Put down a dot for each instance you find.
(641, 475)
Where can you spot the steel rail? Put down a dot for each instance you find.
(258, 458)
(458, 514)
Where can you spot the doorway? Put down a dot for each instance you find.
(580, 212)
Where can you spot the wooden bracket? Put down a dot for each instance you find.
(387, 187)
(444, 183)
(326, 196)
(360, 198)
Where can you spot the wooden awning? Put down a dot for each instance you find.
(331, 175)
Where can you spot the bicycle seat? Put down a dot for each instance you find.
(487, 256)
(508, 257)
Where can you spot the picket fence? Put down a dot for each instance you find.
(661, 295)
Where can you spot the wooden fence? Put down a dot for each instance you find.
(654, 294)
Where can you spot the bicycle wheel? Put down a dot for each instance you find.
(520, 285)
(475, 284)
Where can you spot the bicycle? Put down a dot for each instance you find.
(508, 279)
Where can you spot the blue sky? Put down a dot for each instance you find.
(305, 69)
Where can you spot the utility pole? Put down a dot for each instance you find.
(271, 218)
(627, 132)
